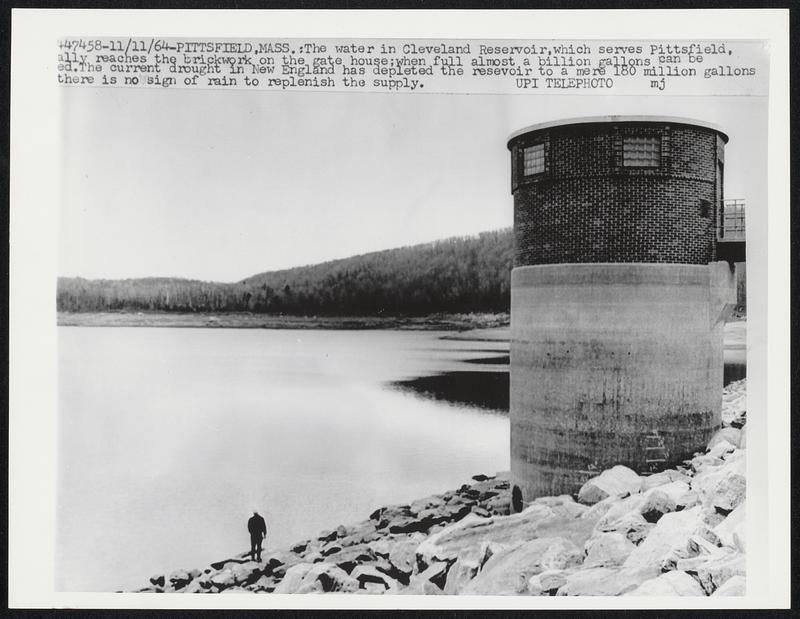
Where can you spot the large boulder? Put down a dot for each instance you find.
(246, 573)
(403, 555)
(426, 503)
(383, 546)
(664, 477)
(704, 462)
(631, 524)
(223, 579)
(327, 536)
(687, 554)
(452, 511)
(697, 559)
(461, 573)
(472, 530)
(563, 505)
(618, 508)
(411, 524)
(735, 585)
(671, 583)
(600, 509)
(330, 549)
(607, 550)
(293, 578)
(468, 564)
(499, 505)
(277, 563)
(730, 493)
(366, 574)
(675, 490)
(157, 580)
(507, 572)
(731, 531)
(719, 568)
(616, 481)
(606, 580)
(722, 449)
(313, 557)
(360, 553)
(688, 499)
(651, 504)
(197, 586)
(300, 547)
(180, 578)
(431, 580)
(359, 534)
(560, 554)
(657, 503)
(263, 584)
(327, 578)
(728, 435)
(547, 583)
(203, 582)
(722, 487)
(673, 530)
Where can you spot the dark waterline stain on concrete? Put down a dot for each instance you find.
(489, 390)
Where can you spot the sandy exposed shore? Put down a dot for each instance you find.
(445, 322)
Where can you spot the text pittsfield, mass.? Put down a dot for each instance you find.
(394, 65)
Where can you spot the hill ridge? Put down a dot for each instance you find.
(456, 274)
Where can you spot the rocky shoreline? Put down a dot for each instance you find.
(680, 532)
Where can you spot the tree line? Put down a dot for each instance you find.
(460, 274)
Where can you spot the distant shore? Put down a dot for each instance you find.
(244, 320)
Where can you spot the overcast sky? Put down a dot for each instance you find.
(220, 185)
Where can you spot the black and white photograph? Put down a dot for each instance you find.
(340, 317)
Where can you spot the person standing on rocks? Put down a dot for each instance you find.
(258, 532)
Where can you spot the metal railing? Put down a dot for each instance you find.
(731, 226)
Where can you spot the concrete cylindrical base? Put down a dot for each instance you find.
(613, 364)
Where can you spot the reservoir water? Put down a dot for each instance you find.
(170, 438)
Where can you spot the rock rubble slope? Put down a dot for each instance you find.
(680, 532)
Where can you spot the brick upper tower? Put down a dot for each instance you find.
(617, 189)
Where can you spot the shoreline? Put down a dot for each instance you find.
(433, 322)
(678, 532)
(474, 327)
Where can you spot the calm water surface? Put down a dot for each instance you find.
(170, 438)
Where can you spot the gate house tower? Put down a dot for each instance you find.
(617, 303)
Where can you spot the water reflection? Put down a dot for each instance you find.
(504, 360)
(486, 390)
(734, 372)
(169, 439)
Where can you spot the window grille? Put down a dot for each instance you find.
(733, 220)
(533, 160)
(641, 152)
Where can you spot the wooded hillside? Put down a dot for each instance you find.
(461, 274)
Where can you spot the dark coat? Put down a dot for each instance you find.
(257, 526)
